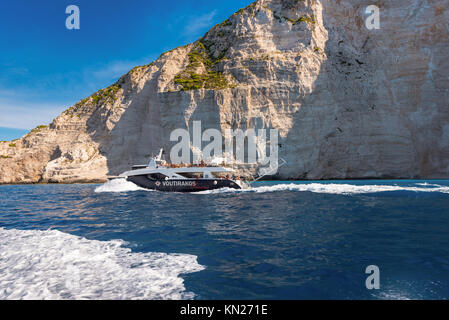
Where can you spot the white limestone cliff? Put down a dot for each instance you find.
(348, 102)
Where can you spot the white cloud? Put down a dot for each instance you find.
(27, 115)
(25, 107)
(115, 69)
(198, 24)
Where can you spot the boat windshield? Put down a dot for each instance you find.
(191, 175)
(138, 167)
(156, 176)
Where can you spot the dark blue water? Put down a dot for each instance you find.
(279, 241)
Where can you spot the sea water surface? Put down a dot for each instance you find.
(278, 240)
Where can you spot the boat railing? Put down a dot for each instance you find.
(192, 165)
(270, 171)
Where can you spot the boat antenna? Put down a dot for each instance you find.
(159, 157)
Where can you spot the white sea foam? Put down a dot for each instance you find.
(425, 184)
(392, 295)
(118, 185)
(331, 188)
(55, 265)
(121, 185)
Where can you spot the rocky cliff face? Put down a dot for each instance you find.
(348, 102)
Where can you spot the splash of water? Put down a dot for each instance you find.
(118, 185)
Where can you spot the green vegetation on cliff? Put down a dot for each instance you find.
(107, 94)
(104, 95)
(38, 128)
(199, 73)
(307, 19)
(246, 9)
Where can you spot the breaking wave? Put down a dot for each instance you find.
(55, 265)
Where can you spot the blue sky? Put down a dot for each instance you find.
(45, 68)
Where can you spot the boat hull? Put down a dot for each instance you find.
(182, 185)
